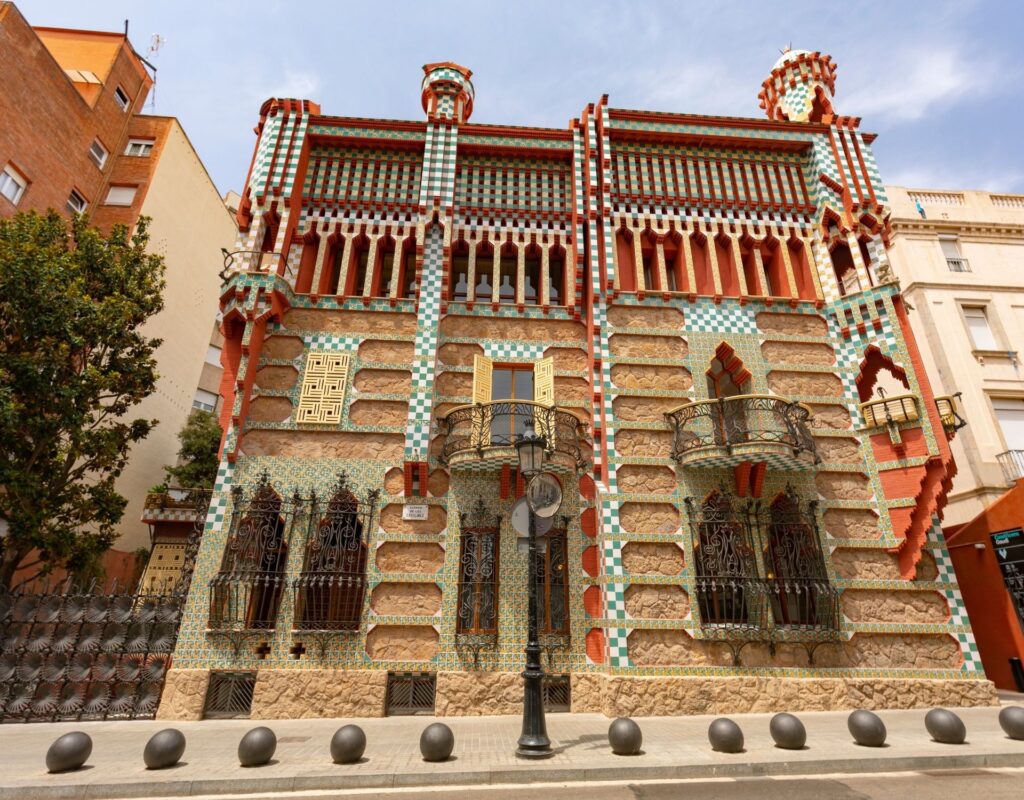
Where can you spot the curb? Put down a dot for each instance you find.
(483, 777)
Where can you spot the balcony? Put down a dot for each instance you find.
(487, 432)
(752, 427)
(1012, 462)
(890, 411)
(949, 412)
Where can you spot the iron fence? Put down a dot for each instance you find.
(1012, 462)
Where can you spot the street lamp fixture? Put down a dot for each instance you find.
(534, 741)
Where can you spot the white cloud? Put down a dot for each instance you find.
(921, 78)
(301, 84)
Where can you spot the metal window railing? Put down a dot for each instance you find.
(1012, 462)
(958, 264)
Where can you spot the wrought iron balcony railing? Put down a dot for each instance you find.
(1012, 462)
(245, 601)
(490, 430)
(949, 412)
(890, 410)
(729, 430)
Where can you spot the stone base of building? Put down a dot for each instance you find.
(335, 693)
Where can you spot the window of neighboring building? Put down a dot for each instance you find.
(76, 203)
(954, 258)
(139, 147)
(12, 184)
(122, 99)
(981, 332)
(98, 153)
(121, 195)
(204, 400)
(1010, 413)
(213, 355)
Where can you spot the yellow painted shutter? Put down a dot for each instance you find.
(322, 399)
(483, 373)
(544, 393)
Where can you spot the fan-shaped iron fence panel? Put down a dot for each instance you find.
(90, 652)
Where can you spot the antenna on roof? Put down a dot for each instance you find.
(156, 41)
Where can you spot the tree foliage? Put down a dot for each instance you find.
(73, 363)
(200, 441)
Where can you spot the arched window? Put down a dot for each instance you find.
(358, 267)
(701, 264)
(727, 378)
(330, 277)
(844, 268)
(556, 276)
(531, 276)
(330, 591)
(773, 268)
(649, 263)
(625, 260)
(478, 572)
(508, 275)
(801, 269)
(727, 274)
(675, 264)
(246, 593)
(483, 291)
(384, 271)
(794, 564)
(723, 559)
(307, 263)
(459, 280)
(755, 282)
(407, 278)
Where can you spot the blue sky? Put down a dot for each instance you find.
(940, 82)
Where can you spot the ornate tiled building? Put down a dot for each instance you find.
(698, 315)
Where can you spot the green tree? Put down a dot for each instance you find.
(200, 441)
(73, 363)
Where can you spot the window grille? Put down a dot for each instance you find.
(410, 693)
(478, 572)
(557, 693)
(330, 590)
(553, 585)
(229, 695)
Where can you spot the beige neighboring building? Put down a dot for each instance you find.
(960, 258)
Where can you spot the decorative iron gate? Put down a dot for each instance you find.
(410, 693)
(229, 695)
(89, 653)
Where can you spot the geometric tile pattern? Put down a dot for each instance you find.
(323, 388)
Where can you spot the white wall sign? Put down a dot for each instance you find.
(414, 512)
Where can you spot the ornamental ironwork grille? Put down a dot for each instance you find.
(229, 695)
(246, 593)
(557, 693)
(761, 567)
(329, 592)
(553, 586)
(410, 693)
(478, 572)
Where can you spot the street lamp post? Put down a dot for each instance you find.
(534, 741)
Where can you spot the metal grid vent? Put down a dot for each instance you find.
(410, 693)
(557, 697)
(229, 695)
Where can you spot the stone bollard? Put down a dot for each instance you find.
(788, 732)
(257, 747)
(164, 749)
(725, 736)
(348, 744)
(625, 737)
(945, 726)
(69, 752)
(1011, 720)
(866, 728)
(437, 742)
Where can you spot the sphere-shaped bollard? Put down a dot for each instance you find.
(348, 744)
(625, 737)
(1011, 720)
(725, 736)
(69, 752)
(437, 742)
(787, 731)
(866, 728)
(945, 726)
(164, 749)
(257, 747)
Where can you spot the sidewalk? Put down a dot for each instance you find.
(674, 747)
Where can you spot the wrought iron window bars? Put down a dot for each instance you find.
(760, 570)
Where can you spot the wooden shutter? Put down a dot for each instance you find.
(322, 399)
(544, 394)
(483, 374)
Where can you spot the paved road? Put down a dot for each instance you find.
(967, 784)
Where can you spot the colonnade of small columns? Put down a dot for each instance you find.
(697, 258)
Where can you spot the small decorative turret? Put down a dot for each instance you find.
(447, 91)
(800, 88)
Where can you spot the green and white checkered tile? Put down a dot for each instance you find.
(513, 350)
(615, 600)
(618, 647)
(417, 433)
(727, 317)
(323, 341)
(972, 658)
(612, 552)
